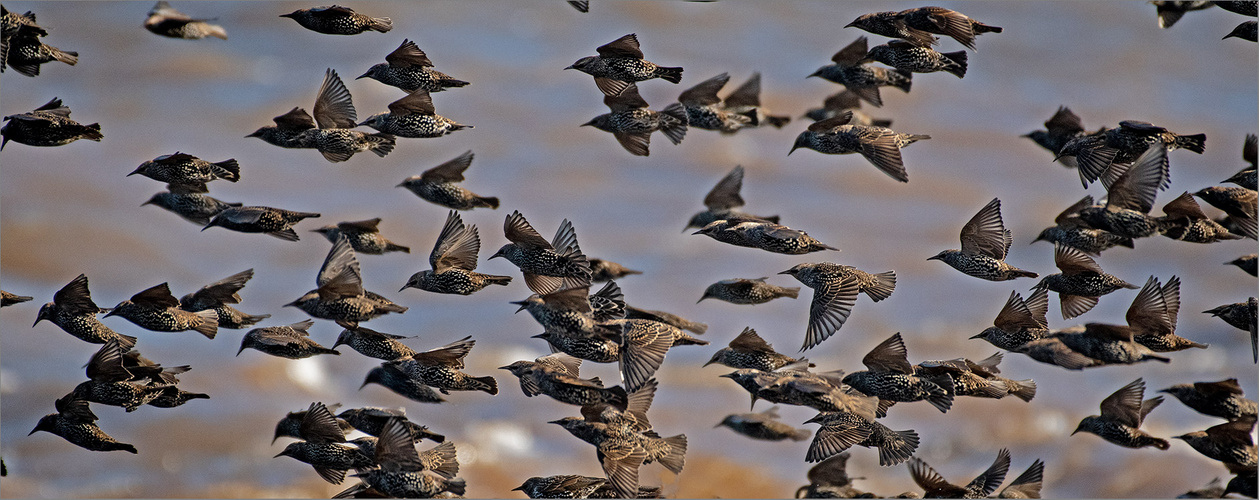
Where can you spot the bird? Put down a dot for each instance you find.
(1060, 128)
(372, 343)
(291, 424)
(218, 295)
(438, 185)
(890, 377)
(638, 348)
(879, 145)
(73, 311)
(747, 291)
(76, 423)
(194, 207)
(364, 236)
(340, 295)
(439, 368)
(324, 446)
(1185, 221)
(1229, 442)
(1130, 197)
(668, 318)
(764, 426)
(1250, 153)
(557, 375)
(1224, 399)
(1108, 344)
(723, 200)
(13, 298)
(985, 244)
(1248, 30)
(1244, 483)
(275, 222)
(547, 266)
(1238, 202)
(409, 69)
(1080, 283)
(950, 23)
(602, 271)
(1027, 484)
(329, 131)
(294, 130)
(1125, 144)
(48, 125)
(338, 20)
(413, 116)
(980, 487)
(561, 486)
(183, 169)
(26, 53)
(704, 110)
(765, 235)
(620, 63)
(1122, 414)
(393, 378)
(155, 309)
(631, 123)
(835, 291)
(111, 383)
(1052, 350)
(842, 430)
(746, 100)
(453, 262)
(844, 100)
(830, 479)
(1153, 313)
(1213, 489)
(164, 20)
(172, 396)
(292, 341)
(1248, 263)
(969, 378)
(1242, 316)
(1019, 321)
(1069, 230)
(15, 23)
(861, 79)
(372, 421)
(749, 350)
(404, 472)
(906, 56)
(1170, 11)
(987, 369)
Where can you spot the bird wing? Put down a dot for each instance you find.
(320, 426)
(518, 231)
(928, 479)
(74, 298)
(222, 291)
(1072, 261)
(749, 340)
(625, 100)
(725, 195)
(748, 94)
(1064, 122)
(1137, 186)
(1124, 406)
(990, 479)
(451, 354)
(295, 119)
(340, 275)
(889, 356)
(408, 54)
(451, 171)
(626, 46)
(1015, 315)
(418, 102)
(853, 53)
(985, 234)
(1184, 206)
(156, 296)
(334, 107)
(457, 245)
(705, 92)
(831, 305)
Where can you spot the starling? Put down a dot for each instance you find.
(1244, 483)
(111, 383)
(1019, 321)
(547, 267)
(340, 295)
(15, 23)
(335, 116)
(619, 455)
(1246, 176)
(906, 56)
(793, 385)
(1240, 203)
(156, 309)
(722, 201)
(1247, 263)
(892, 24)
(631, 123)
(1080, 283)
(946, 22)
(291, 424)
(373, 344)
(404, 472)
(413, 116)
(1060, 128)
(166, 21)
(985, 244)
(1170, 11)
(453, 261)
(829, 479)
(438, 185)
(74, 312)
(890, 377)
(562, 486)
(324, 446)
(1109, 344)
(193, 206)
(842, 430)
(747, 291)
(605, 270)
(409, 69)
(1126, 144)
(439, 368)
(174, 396)
(987, 368)
(835, 291)
(746, 100)
(639, 348)
(1028, 484)
(878, 145)
(364, 236)
(292, 341)
(768, 236)
(183, 169)
(876, 286)
(632, 312)
(47, 125)
(620, 63)
(1130, 197)
(394, 379)
(1248, 30)
(841, 101)
(1069, 230)
(1222, 399)
(26, 53)
(764, 426)
(75, 422)
(295, 129)
(557, 376)
(142, 369)
(338, 20)
(218, 295)
(276, 222)
(703, 108)
(966, 382)
(862, 79)
(749, 350)
(1244, 7)
(1153, 313)
(1229, 442)
(373, 420)
(1122, 414)
(1242, 316)
(980, 487)
(1051, 350)
(12, 298)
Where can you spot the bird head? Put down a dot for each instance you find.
(374, 72)
(289, 450)
(503, 251)
(802, 141)
(45, 313)
(373, 376)
(519, 368)
(582, 63)
(941, 256)
(375, 121)
(717, 356)
(142, 169)
(417, 280)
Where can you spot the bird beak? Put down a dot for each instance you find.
(504, 368)
(108, 314)
(522, 303)
(979, 336)
(701, 299)
(789, 271)
(521, 488)
(242, 349)
(571, 66)
(589, 123)
(793, 149)
(849, 25)
(556, 422)
(291, 304)
(133, 172)
(934, 257)
(542, 335)
(404, 287)
(282, 453)
(720, 424)
(364, 75)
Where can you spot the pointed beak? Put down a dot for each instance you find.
(282, 453)
(723, 422)
(793, 149)
(522, 303)
(570, 66)
(556, 422)
(701, 231)
(36, 429)
(978, 336)
(108, 314)
(542, 335)
(934, 257)
(136, 171)
(504, 367)
(520, 488)
(292, 304)
(238, 351)
(701, 299)
(589, 123)
(789, 271)
(362, 76)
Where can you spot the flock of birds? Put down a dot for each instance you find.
(1131, 160)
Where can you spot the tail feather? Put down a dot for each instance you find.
(981, 28)
(452, 83)
(898, 449)
(906, 82)
(793, 292)
(778, 121)
(688, 340)
(884, 284)
(209, 325)
(1023, 274)
(1023, 389)
(489, 384)
(228, 169)
(674, 129)
(753, 117)
(382, 24)
(126, 342)
(66, 56)
(676, 458)
(497, 280)
(217, 32)
(93, 132)
(456, 486)
(488, 201)
(384, 146)
(671, 75)
(1196, 142)
(394, 247)
(1155, 357)
(959, 60)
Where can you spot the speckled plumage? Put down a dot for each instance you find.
(1153, 314)
(1080, 283)
(980, 487)
(879, 145)
(111, 383)
(906, 56)
(218, 295)
(1223, 399)
(842, 430)
(75, 423)
(73, 311)
(372, 421)
(547, 266)
(1242, 316)
(557, 376)
(394, 379)
(453, 262)
(292, 341)
(631, 123)
(985, 245)
(890, 377)
(46, 126)
(338, 20)
(859, 78)
(410, 69)
(835, 288)
(1122, 414)
(26, 53)
(194, 207)
(364, 236)
(413, 116)
(275, 222)
(373, 344)
(1229, 442)
(620, 63)
(765, 235)
(156, 309)
(747, 291)
(439, 368)
(439, 185)
(1108, 344)
(340, 295)
(764, 426)
(749, 350)
(1019, 321)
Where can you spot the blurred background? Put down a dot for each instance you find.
(71, 210)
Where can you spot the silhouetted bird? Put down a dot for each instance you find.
(26, 53)
(364, 236)
(324, 446)
(1019, 321)
(880, 146)
(892, 24)
(1246, 482)
(372, 343)
(1126, 144)
(1170, 11)
(12, 298)
(292, 341)
(1122, 414)
(557, 376)
(749, 350)
(632, 312)
(409, 69)
(1130, 197)
(906, 56)
(829, 479)
(842, 430)
(111, 383)
(620, 63)
(862, 79)
(602, 271)
(631, 123)
(747, 291)
(1080, 283)
(1222, 399)
(1246, 176)
(1109, 344)
(1229, 442)
(413, 116)
(562, 486)
(985, 244)
(394, 379)
(218, 295)
(174, 396)
(1060, 128)
(1243, 7)
(338, 20)
(764, 426)
(157, 310)
(967, 378)
(74, 312)
(166, 21)
(340, 295)
(1248, 263)
(295, 129)
(275, 222)
(1242, 316)
(186, 202)
(15, 23)
(890, 377)
(1153, 314)
(746, 100)
(1069, 230)
(980, 487)
(453, 261)
(47, 125)
(704, 110)
(722, 201)
(547, 266)
(404, 472)
(438, 185)
(439, 368)
(75, 423)
(1240, 203)
(373, 420)
(291, 424)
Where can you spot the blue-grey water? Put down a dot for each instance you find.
(71, 210)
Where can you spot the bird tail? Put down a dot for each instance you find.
(912, 138)
(791, 292)
(1196, 142)
(754, 118)
(673, 122)
(1022, 389)
(689, 340)
(959, 61)
(209, 325)
(676, 458)
(884, 284)
(452, 83)
(1156, 357)
(1160, 443)
(382, 24)
(488, 201)
(494, 279)
(122, 446)
(456, 486)
(905, 80)
(898, 449)
(394, 247)
(93, 132)
(1019, 273)
(66, 56)
(981, 28)
(228, 169)
(383, 145)
(126, 342)
(671, 75)
(216, 31)
(487, 383)
(778, 121)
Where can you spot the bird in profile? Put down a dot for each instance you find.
(762, 234)
(183, 169)
(1130, 197)
(364, 236)
(164, 20)
(830, 479)
(293, 130)
(292, 341)
(839, 102)
(404, 472)
(879, 145)
(1242, 316)
(1229, 442)
(1060, 128)
(832, 286)
(324, 446)
(906, 56)
(48, 125)
(76, 423)
(747, 291)
(547, 266)
(1248, 263)
(1122, 414)
(842, 430)
(439, 185)
(1019, 321)
(985, 244)
(440, 368)
(667, 318)
(561, 486)
(393, 378)
(413, 116)
(1224, 399)
(275, 222)
(1125, 144)
(14, 24)
(1248, 30)
(218, 296)
(749, 351)
(1071, 231)
(1153, 313)
(1080, 283)
(26, 53)
(185, 201)
(156, 309)
(1107, 344)
(975, 378)
(1052, 350)
(73, 311)
(631, 123)
(764, 426)
(704, 110)
(602, 271)
(453, 262)
(890, 377)
(557, 375)
(723, 200)
(329, 131)
(917, 25)
(13, 298)
(372, 343)
(340, 295)
(620, 63)
(1239, 203)
(1185, 221)
(373, 420)
(410, 69)
(980, 487)
(859, 78)
(112, 384)
(338, 20)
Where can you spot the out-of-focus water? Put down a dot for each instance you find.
(71, 210)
